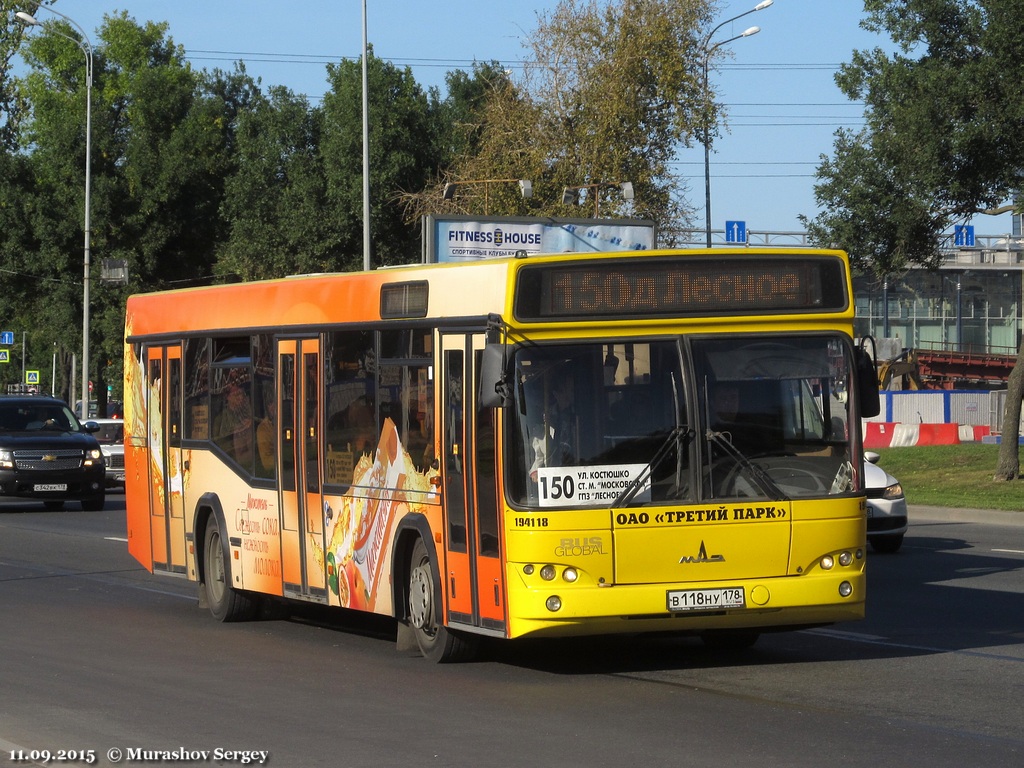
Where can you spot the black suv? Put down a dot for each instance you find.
(47, 455)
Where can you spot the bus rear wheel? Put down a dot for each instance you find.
(436, 642)
(226, 603)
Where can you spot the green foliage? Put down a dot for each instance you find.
(942, 138)
(159, 156)
(607, 98)
(402, 140)
(459, 118)
(199, 176)
(275, 200)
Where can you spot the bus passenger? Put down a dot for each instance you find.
(233, 428)
(558, 445)
(266, 442)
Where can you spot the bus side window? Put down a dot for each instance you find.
(197, 389)
(233, 415)
(349, 405)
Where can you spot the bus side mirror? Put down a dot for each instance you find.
(493, 391)
(867, 383)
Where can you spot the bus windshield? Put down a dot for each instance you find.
(680, 420)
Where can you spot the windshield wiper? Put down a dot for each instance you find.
(674, 437)
(758, 475)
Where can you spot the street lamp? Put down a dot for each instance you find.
(570, 195)
(708, 50)
(525, 188)
(366, 153)
(86, 45)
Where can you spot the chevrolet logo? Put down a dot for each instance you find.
(49, 457)
(702, 557)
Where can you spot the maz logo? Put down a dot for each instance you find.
(702, 557)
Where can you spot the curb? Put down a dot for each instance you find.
(951, 515)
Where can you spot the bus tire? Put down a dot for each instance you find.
(226, 603)
(436, 642)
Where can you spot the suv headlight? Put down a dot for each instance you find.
(6, 458)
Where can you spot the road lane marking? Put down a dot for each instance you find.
(857, 637)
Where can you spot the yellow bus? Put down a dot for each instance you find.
(572, 444)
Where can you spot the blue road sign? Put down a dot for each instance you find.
(6, 337)
(735, 231)
(963, 236)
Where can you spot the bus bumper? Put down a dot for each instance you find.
(565, 610)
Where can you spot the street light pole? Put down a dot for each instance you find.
(86, 45)
(366, 153)
(708, 50)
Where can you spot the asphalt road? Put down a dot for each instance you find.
(96, 654)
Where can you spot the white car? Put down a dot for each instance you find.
(111, 439)
(887, 506)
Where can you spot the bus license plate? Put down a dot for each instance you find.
(50, 487)
(705, 599)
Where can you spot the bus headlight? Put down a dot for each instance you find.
(845, 589)
(570, 575)
(827, 562)
(845, 558)
(553, 603)
(547, 572)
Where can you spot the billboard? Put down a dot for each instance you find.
(471, 238)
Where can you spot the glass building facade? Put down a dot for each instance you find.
(975, 308)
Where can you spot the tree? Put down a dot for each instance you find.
(941, 141)
(607, 97)
(161, 134)
(459, 117)
(613, 86)
(402, 143)
(275, 200)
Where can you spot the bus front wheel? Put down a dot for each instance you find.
(436, 642)
(226, 603)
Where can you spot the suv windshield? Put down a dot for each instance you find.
(676, 421)
(33, 417)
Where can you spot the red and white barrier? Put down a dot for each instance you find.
(888, 434)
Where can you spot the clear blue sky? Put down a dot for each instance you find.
(778, 87)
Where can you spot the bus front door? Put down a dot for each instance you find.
(473, 573)
(298, 425)
(163, 427)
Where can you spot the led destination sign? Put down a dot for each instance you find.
(680, 286)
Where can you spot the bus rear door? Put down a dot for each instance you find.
(473, 574)
(163, 427)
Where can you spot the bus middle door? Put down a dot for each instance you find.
(473, 573)
(302, 525)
